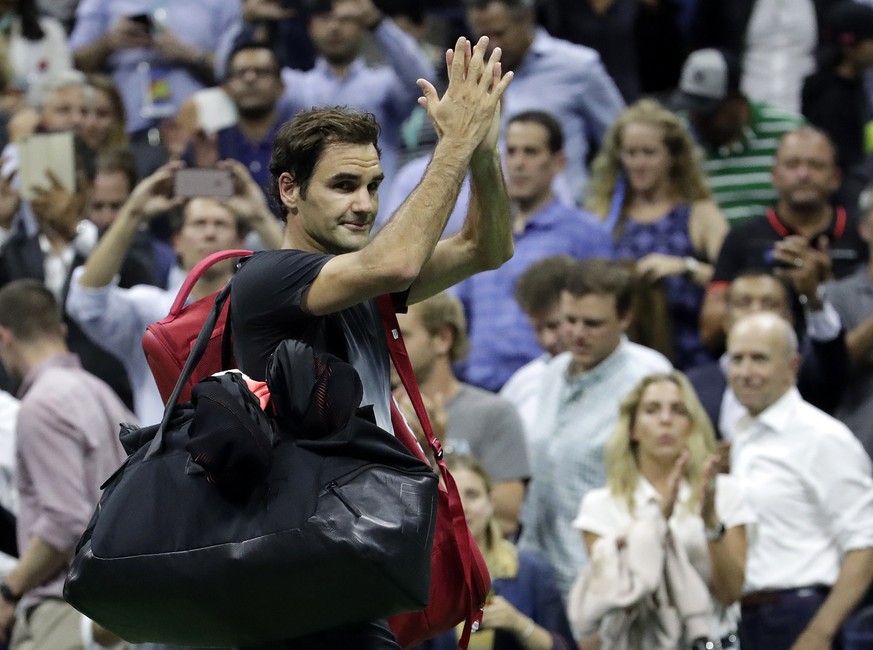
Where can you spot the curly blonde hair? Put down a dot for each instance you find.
(686, 175)
(622, 465)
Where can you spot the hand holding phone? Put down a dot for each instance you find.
(203, 182)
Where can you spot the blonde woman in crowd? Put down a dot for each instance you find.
(103, 127)
(647, 184)
(664, 498)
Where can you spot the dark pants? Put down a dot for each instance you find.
(375, 635)
(773, 620)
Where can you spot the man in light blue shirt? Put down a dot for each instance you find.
(341, 76)
(158, 59)
(577, 409)
(543, 226)
(568, 80)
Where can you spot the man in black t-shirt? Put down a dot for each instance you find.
(805, 232)
(320, 288)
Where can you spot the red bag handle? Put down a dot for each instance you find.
(197, 272)
(400, 357)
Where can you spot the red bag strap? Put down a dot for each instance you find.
(197, 272)
(400, 357)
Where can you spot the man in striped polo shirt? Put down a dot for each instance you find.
(738, 136)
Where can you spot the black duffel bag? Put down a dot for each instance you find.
(244, 547)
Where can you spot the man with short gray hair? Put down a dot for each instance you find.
(810, 558)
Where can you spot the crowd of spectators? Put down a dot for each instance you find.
(687, 320)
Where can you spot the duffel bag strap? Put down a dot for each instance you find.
(400, 357)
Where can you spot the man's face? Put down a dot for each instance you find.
(592, 328)
(805, 173)
(336, 215)
(65, 109)
(547, 327)
(513, 35)
(760, 370)
(530, 164)
(337, 34)
(109, 192)
(208, 227)
(756, 293)
(725, 124)
(424, 348)
(253, 82)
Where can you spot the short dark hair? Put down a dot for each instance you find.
(118, 160)
(30, 311)
(548, 122)
(539, 287)
(244, 46)
(301, 142)
(601, 277)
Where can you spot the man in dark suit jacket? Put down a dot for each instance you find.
(825, 358)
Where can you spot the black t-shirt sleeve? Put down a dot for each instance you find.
(266, 305)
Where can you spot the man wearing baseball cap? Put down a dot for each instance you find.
(738, 135)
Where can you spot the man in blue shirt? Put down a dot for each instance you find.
(567, 78)
(501, 340)
(341, 76)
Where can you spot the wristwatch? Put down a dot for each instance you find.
(715, 534)
(691, 266)
(7, 594)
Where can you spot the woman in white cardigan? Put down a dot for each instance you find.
(665, 499)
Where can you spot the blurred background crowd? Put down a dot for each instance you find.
(660, 410)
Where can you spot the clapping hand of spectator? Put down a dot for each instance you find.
(668, 501)
(711, 467)
(805, 267)
(250, 205)
(499, 614)
(9, 199)
(126, 34)
(655, 266)
(257, 10)
(57, 209)
(153, 195)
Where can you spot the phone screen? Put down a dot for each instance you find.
(195, 182)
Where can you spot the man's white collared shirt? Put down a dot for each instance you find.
(809, 482)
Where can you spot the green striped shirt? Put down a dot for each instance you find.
(739, 174)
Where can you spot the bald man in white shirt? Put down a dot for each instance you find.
(809, 482)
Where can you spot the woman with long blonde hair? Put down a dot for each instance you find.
(647, 184)
(663, 453)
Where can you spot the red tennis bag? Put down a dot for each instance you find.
(459, 581)
(168, 342)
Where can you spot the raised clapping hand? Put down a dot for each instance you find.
(466, 112)
(673, 482)
(707, 493)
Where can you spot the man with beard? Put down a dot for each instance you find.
(804, 228)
